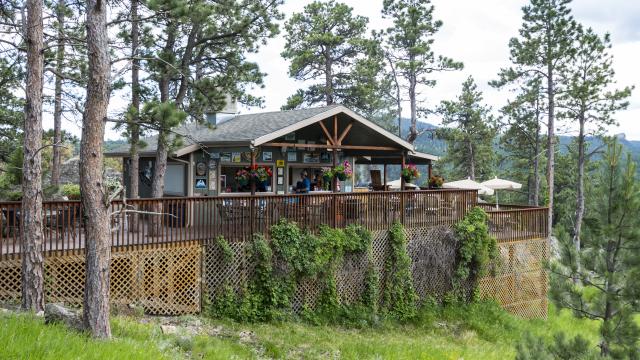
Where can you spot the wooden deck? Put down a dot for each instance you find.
(238, 217)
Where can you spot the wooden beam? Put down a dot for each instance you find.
(335, 129)
(322, 146)
(345, 132)
(326, 132)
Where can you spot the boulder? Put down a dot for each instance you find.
(58, 313)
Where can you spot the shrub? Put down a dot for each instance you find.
(477, 250)
(71, 191)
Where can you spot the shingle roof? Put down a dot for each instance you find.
(241, 128)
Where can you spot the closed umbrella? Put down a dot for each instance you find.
(468, 184)
(501, 184)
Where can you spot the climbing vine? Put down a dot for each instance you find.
(291, 256)
(477, 251)
(399, 297)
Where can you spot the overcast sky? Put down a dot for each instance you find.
(477, 33)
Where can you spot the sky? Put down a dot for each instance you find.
(476, 33)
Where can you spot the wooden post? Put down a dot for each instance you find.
(430, 169)
(335, 163)
(402, 190)
(384, 177)
(253, 193)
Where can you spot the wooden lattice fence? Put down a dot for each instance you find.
(162, 280)
(519, 284)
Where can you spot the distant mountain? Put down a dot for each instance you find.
(429, 144)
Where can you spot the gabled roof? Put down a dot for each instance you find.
(257, 129)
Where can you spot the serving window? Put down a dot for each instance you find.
(236, 178)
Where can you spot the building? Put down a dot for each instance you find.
(287, 142)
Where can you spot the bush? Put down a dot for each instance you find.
(71, 191)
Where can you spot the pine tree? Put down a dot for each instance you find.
(522, 140)
(591, 103)
(408, 44)
(95, 196)
(31, 211)
(471, 135)
(542, 50)
(607, 288)
(328, 43)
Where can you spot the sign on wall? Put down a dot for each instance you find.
(280, 163)
(201, 183)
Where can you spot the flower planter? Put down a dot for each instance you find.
(341, 176)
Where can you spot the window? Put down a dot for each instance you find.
(236, 179)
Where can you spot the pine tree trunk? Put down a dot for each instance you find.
(96, 210)
(134, 156)
(472, 162)
(551, 137)
(536, 163)
(31, 211)
(577, 227)
(157, 185)
(57, 101)
(328, 80)
(413, 130)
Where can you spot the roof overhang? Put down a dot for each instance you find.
(331, 112)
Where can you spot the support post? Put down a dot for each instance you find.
(430, 169)
(252, 206)
(384, 177)
(402, 219)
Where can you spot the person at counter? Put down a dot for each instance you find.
(304, 185)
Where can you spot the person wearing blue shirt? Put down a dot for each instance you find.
(304, 185)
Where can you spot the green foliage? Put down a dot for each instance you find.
(469, 132)
(410, 53)
(536, 348)
(476, 251)
(399, 298)
(225, 249)
(71, 191)
(327, 42)
(291, 256)
(599, 280)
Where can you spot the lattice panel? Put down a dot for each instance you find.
(164, 281)
(218, 273)
(520, 284)
(170, 280)
(10, 283)
(433, 254)
(64, 279)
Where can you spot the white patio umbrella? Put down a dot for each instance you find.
(468, 184)
(501, 184)
(395, 184)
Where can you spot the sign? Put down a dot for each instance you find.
(280, 163)
(201, 183)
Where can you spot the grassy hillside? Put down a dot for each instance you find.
(479, 331)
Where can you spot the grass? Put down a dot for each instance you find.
(478, 331)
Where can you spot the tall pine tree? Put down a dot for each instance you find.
(609, 264)
(590, 102)
(469, 131)
(409, 51)
(542, 50)
(329, 44)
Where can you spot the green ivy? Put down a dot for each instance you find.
(292, 255)
(399, 297)
(477, 250)
(225, 249)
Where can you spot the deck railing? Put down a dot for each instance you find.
(163, 221)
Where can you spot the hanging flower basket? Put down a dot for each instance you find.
(242, 177)
(410, 173)
(261, 173)
(436, 181)
(343, 171)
